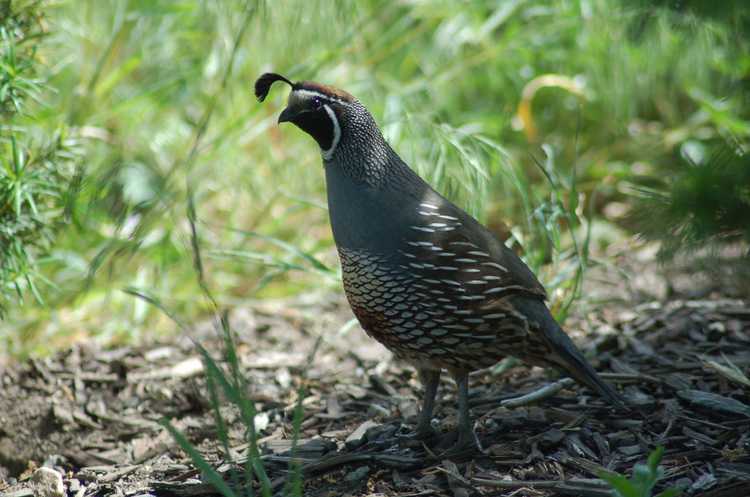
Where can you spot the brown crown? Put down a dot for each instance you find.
(325, 90)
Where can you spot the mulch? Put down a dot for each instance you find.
(93, 415)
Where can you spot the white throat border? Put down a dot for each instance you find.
(327, 154)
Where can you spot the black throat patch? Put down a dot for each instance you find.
(319, 125)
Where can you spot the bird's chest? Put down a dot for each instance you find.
(376, 290)
(382, 298)
(364, 217)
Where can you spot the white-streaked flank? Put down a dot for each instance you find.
(495, 265)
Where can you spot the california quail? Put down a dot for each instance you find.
(422, 276)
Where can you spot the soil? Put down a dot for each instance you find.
(95, 416)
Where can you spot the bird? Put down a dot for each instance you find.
(422, 276)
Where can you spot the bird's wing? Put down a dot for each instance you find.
(455, 254)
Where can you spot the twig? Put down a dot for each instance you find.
(336, 460)
(542, 393)
(387, 460)
(583, 487)
(625, 377)
(551, 389)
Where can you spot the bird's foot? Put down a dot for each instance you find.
(460, 443)
(423, 434)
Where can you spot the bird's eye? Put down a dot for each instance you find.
(317, 102)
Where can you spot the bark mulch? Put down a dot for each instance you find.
(92, 416)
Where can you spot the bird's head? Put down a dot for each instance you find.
(319, 110)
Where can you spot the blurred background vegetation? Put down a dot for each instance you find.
(577, 123)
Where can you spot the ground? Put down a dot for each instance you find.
(93, 415)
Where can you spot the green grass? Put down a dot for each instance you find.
(225, 382)
(644, 479)
(159, 95)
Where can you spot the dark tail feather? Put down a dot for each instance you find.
(565, 355)
(579, 369)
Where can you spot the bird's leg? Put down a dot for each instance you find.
(430, 380)
(465, 431)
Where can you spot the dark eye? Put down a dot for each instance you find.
(317, 102)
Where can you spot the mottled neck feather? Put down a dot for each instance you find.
(363, 154)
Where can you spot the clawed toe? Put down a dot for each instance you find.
(458, 443)
(416, 437)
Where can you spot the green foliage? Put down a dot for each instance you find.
(697, 192)
(35, 165)
(645, 477)
(705, 203)
(233, 386)
(605, 94)
(230, 384)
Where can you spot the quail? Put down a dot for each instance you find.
(422, 276)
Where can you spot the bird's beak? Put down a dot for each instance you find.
(286, 115)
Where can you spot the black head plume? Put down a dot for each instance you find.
(263, 84)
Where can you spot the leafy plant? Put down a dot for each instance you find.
(706, 203)
(36, 166)
(643, 481)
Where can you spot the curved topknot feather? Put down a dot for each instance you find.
(263, 84)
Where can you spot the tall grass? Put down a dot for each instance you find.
(161, 94)
(225, 380)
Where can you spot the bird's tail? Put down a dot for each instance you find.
(573, 363)
(565, 355)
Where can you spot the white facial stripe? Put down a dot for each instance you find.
(311, 93)
(327, 154)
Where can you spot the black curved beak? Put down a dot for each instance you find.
(287, 115)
